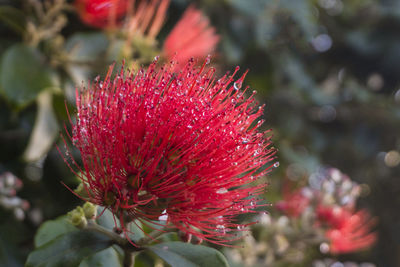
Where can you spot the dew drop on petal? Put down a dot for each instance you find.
(208, 59)
(222, 190)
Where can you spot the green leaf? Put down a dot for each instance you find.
(136, 232)
(105, 258)
(23, 74)
(53, 229)
(13, 17)
(86, 46)
(68, 250)
(106, 219)
(45, 130)
(87, 54)
(179, 254)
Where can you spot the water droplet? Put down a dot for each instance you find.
(222, 190)
(276, 164)
(237, 85)
(156, 58)
(208, 59)
(164, 216)
(221, 229)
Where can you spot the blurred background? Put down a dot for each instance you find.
(328, 71)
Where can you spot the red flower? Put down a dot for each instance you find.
(191, 37)
(333, 216)
(179, 147)
(348, 232)
(101, 13)
(293, 203)
(147, 19)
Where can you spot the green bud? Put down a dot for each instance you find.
(89, 210)
(81, 191)
(77, 217)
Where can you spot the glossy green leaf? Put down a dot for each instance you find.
(105, 258)
(23, 74)
(53, 229)
(179, 254)
(68, 250)
(106, 219)
(136, 232)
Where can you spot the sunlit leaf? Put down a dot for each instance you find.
(45, 129)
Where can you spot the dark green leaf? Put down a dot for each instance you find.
(68, 250)
(144, 260)
(23, 74)
(87, 53)
(106, 258)
(53, 229)
(179, 254)
(13, 18)
(86, 46)
(7, 257)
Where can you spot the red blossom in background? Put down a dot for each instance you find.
(180, 147)
(348, 231)
(333, 216)
(293, 203)
(147, 18)
(192, 36)
(101, 13)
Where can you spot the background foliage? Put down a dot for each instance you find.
(327, 69)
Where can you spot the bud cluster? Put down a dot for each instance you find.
(9, 185)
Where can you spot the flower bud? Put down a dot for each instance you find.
(89, 210)
(77, 217)
(81, 191)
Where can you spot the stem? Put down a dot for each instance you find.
(92, 226)
(153, 236)
(128, 258)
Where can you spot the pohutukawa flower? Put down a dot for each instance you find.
(146, 19)
(347, 231)
(192, 36)
(182, 147)
(101, 13)
(294, 202)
